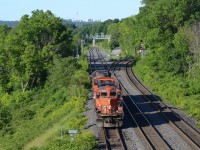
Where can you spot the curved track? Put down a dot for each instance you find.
(184, 130)
(151, 137)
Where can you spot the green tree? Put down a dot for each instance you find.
(4, 30)
(182, 40)
(5, 117)
(126, 40)
(157, 23)
(31, 46)
(114, 32)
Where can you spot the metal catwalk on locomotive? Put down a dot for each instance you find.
(108, 99)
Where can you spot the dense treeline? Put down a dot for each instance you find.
(168, 33)
(42, 87)
(11, 24)
(28, 50)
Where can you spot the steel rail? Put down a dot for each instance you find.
(183, 129)
(153, 136)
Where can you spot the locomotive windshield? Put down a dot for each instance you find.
(106, 83)
(103, 94)
(113, 93)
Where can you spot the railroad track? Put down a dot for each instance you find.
(151, 138)
(112, 139)
(96, 61)
(109, 138)
(92, 61)
(187, 132)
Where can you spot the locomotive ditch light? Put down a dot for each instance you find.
(97, 96)
(95, 82)
(109, 101)
(119, 93)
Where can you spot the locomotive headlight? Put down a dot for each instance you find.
(109, 101)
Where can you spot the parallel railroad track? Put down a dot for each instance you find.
(188, 133)
(96, 61)
(92, 61)
(152, 138)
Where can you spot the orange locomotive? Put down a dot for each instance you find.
(108, 99)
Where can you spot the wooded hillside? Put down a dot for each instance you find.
(41, 93)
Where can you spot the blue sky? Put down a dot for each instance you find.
(11, 10)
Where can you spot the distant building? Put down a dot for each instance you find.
(90, 20)
(69, 20)
(78, 21)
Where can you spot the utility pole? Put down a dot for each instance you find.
(134, 51)
(61, 134)
(77, 55)
(82, 43)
